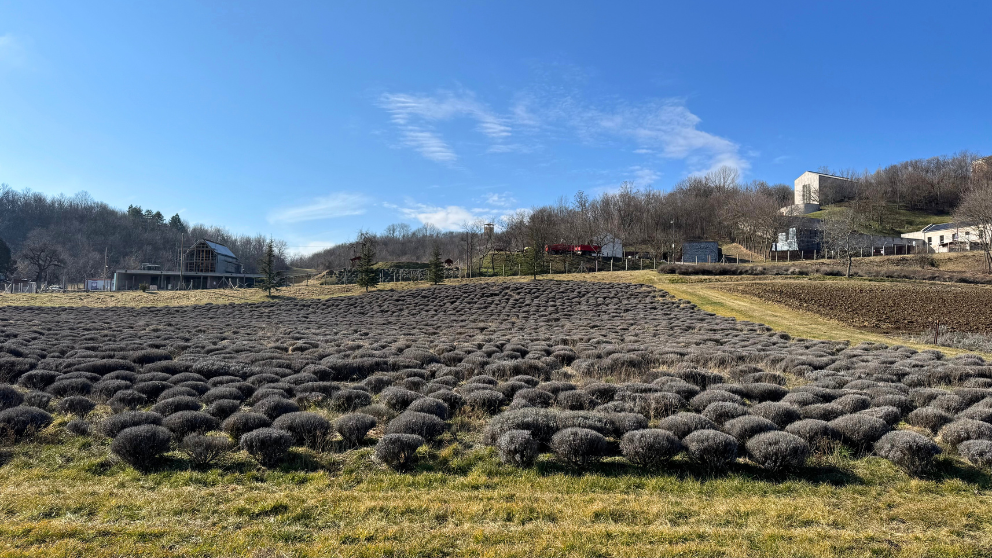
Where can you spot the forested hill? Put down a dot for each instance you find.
(77, 233)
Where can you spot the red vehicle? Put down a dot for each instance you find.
(577, 249)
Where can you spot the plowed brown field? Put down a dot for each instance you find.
(883, 307)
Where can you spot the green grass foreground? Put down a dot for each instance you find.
(62, 495)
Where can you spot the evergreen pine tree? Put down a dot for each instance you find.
(435, 270)
(367, 276)
(271, 278)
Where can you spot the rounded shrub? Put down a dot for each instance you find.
(126, 400)
(782, 414)
(428, 427)
(485, 401)
(9, 397)
(184, 423)
(78, 426)
(962, 430)
(541, 423)
(818, 433)
(517, 448)
(65, 388)
(223, 408)
(268, 446)
(347, 400)
(354, 427)
(23, 421)
(748, 426)
(650, 447)
(176, 404)
(535, 397)
(825, 411)
(683, 424)
(241, 423)
(578, 446)
(38, 399)
(711, 448)
(273, 407)
(308, 429)
(222, 392)
(852, 403)
(930, 418)
(778, 451)
(203, 450)
(449, 398)
(763, 391)
(912, 452)
(141, 446)
(890, 415)
(76, 405)
(37, 379)
(706, 398)
(430, 406)
(575, 400)
(721, 411)
(626, 422)
(398, 450)
(397, 398)
(860, 431)
(659, 405)
(113, 425)
(105, 389)
(977, 452)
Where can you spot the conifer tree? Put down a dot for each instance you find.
(435, 270)
(367, 276)
(271, 278)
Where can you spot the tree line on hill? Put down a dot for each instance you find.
(66, 239)
(716, 206)
(70, 238)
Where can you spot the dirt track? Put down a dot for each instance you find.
(883, 307)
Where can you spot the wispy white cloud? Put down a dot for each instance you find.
(781, 159)
(455, 217)
(664, 128)
(500, 200)
(644, 176)
(338, 204)
(415, 117)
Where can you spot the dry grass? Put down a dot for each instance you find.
(67, 498)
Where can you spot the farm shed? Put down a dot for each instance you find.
(206, 265)
(700, 251)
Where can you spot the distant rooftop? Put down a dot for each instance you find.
(830, 175)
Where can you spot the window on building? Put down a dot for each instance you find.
(941, 239)
(930, 240)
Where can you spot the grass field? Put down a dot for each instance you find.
(63, 496)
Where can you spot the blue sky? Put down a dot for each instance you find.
(309, 121)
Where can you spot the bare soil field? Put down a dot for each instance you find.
(495, 418)
(886, 307)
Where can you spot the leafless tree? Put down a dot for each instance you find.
(976, 211)
(842, 235)
(40, 257)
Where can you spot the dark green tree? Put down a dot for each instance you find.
(435, 269)
(367, 276)
(158, 218)
(176, 223)
(7, 263)
(271, 277)
(134, 212)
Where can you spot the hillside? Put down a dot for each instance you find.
(894, 221)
